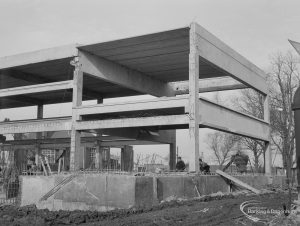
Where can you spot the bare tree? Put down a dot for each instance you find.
(222, 144)
(284, 80)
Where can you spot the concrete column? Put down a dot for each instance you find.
(268, 153)
(172, 154)
(193, 102)
(77, 101)
(268, 158)
(127, 158)
(19, 157)
(98, 161)
(106, 154)
(87, 158)
(40, 113)
(172, 158)
(99, 150)
(101, 157)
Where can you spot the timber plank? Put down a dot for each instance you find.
(237, 181)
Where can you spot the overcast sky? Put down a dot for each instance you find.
(254, 28)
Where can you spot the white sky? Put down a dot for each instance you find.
(254, 28)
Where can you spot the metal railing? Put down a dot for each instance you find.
(10, 193)
(136, 173)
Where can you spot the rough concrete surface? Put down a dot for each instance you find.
(102, 192)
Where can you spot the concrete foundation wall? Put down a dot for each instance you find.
(33, 188)
(144, 191)
(185, 186)
(86, 192)
(104, 192)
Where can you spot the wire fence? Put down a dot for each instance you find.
(10, 192)
(137, 173)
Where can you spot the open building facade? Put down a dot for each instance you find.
(173, 66)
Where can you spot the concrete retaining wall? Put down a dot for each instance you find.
(32, 188)
(104, 192)
(144, 191)
(86, 192)
(184, 186)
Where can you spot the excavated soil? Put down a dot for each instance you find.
(217, 209)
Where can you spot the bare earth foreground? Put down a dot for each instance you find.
(217, 209)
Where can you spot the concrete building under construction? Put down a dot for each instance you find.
(173, 66)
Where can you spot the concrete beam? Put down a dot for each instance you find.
(123, 76)
(50, 141)
(39, 56)
(221, 118)
(36, 125)
(214, 51)
(91, 141)
(46, 87)
(57, 145)
(209, 85)
(158, 103)
(128, 136)
(175, 120)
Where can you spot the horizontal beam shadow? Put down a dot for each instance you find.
(46, 87)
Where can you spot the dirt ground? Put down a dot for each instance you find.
(218, 209)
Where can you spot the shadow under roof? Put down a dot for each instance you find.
(163, 55)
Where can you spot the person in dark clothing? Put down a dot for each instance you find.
(204, 167)
(180, 165)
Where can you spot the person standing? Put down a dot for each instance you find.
(204, 167)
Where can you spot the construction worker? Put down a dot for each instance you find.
(180, 165)
(204, 167)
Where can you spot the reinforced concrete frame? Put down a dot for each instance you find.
(172, 66)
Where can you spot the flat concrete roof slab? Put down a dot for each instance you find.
(163, 56)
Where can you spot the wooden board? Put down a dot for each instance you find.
(237, 181)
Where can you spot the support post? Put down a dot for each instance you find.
(296, 109)
(268, 154)
(127, 158)
(40, 112)
(172, 154)
(99, 150)
(98, 160)
(193, 101)
(107, 157)
(77, 101)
